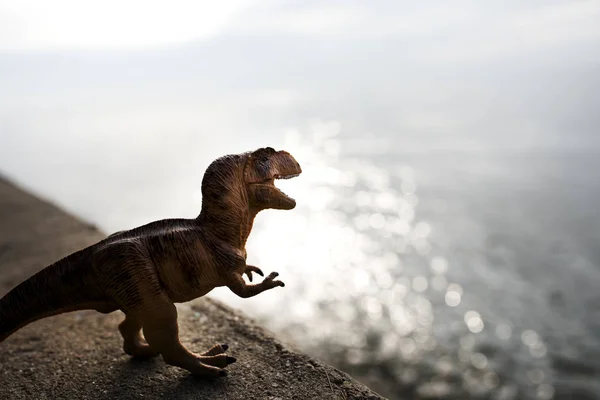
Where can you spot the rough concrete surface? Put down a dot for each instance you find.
(78, 355)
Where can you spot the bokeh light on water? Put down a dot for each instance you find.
(368, 290)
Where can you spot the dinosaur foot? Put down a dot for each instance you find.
(215, 356)
(220, 360)
(203, 366)
(211, 362)
(216, 349)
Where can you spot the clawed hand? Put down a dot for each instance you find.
(271, 282)
(269, 279)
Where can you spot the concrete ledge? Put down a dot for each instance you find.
(78, 355)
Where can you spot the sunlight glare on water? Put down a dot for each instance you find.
(354, 295)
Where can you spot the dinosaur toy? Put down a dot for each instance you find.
(144, 271)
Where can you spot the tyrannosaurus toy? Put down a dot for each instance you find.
(144, 271)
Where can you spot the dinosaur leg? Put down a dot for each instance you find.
(133, 342)
(159, 318)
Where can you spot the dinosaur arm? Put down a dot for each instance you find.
(238, 286)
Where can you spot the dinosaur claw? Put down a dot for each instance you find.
(224, 346)
(222, 373)
(272, 276)
(230, 360)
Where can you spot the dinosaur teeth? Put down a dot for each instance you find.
(286, 176)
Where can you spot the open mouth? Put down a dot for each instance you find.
(281, 176)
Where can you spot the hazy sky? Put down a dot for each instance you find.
(493, 25)
(90, 92)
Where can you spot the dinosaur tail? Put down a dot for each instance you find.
(61, 287)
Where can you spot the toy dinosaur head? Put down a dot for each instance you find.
(244, 182)
(236, 187)
(261, 169)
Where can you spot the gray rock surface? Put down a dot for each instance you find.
(78, 355)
